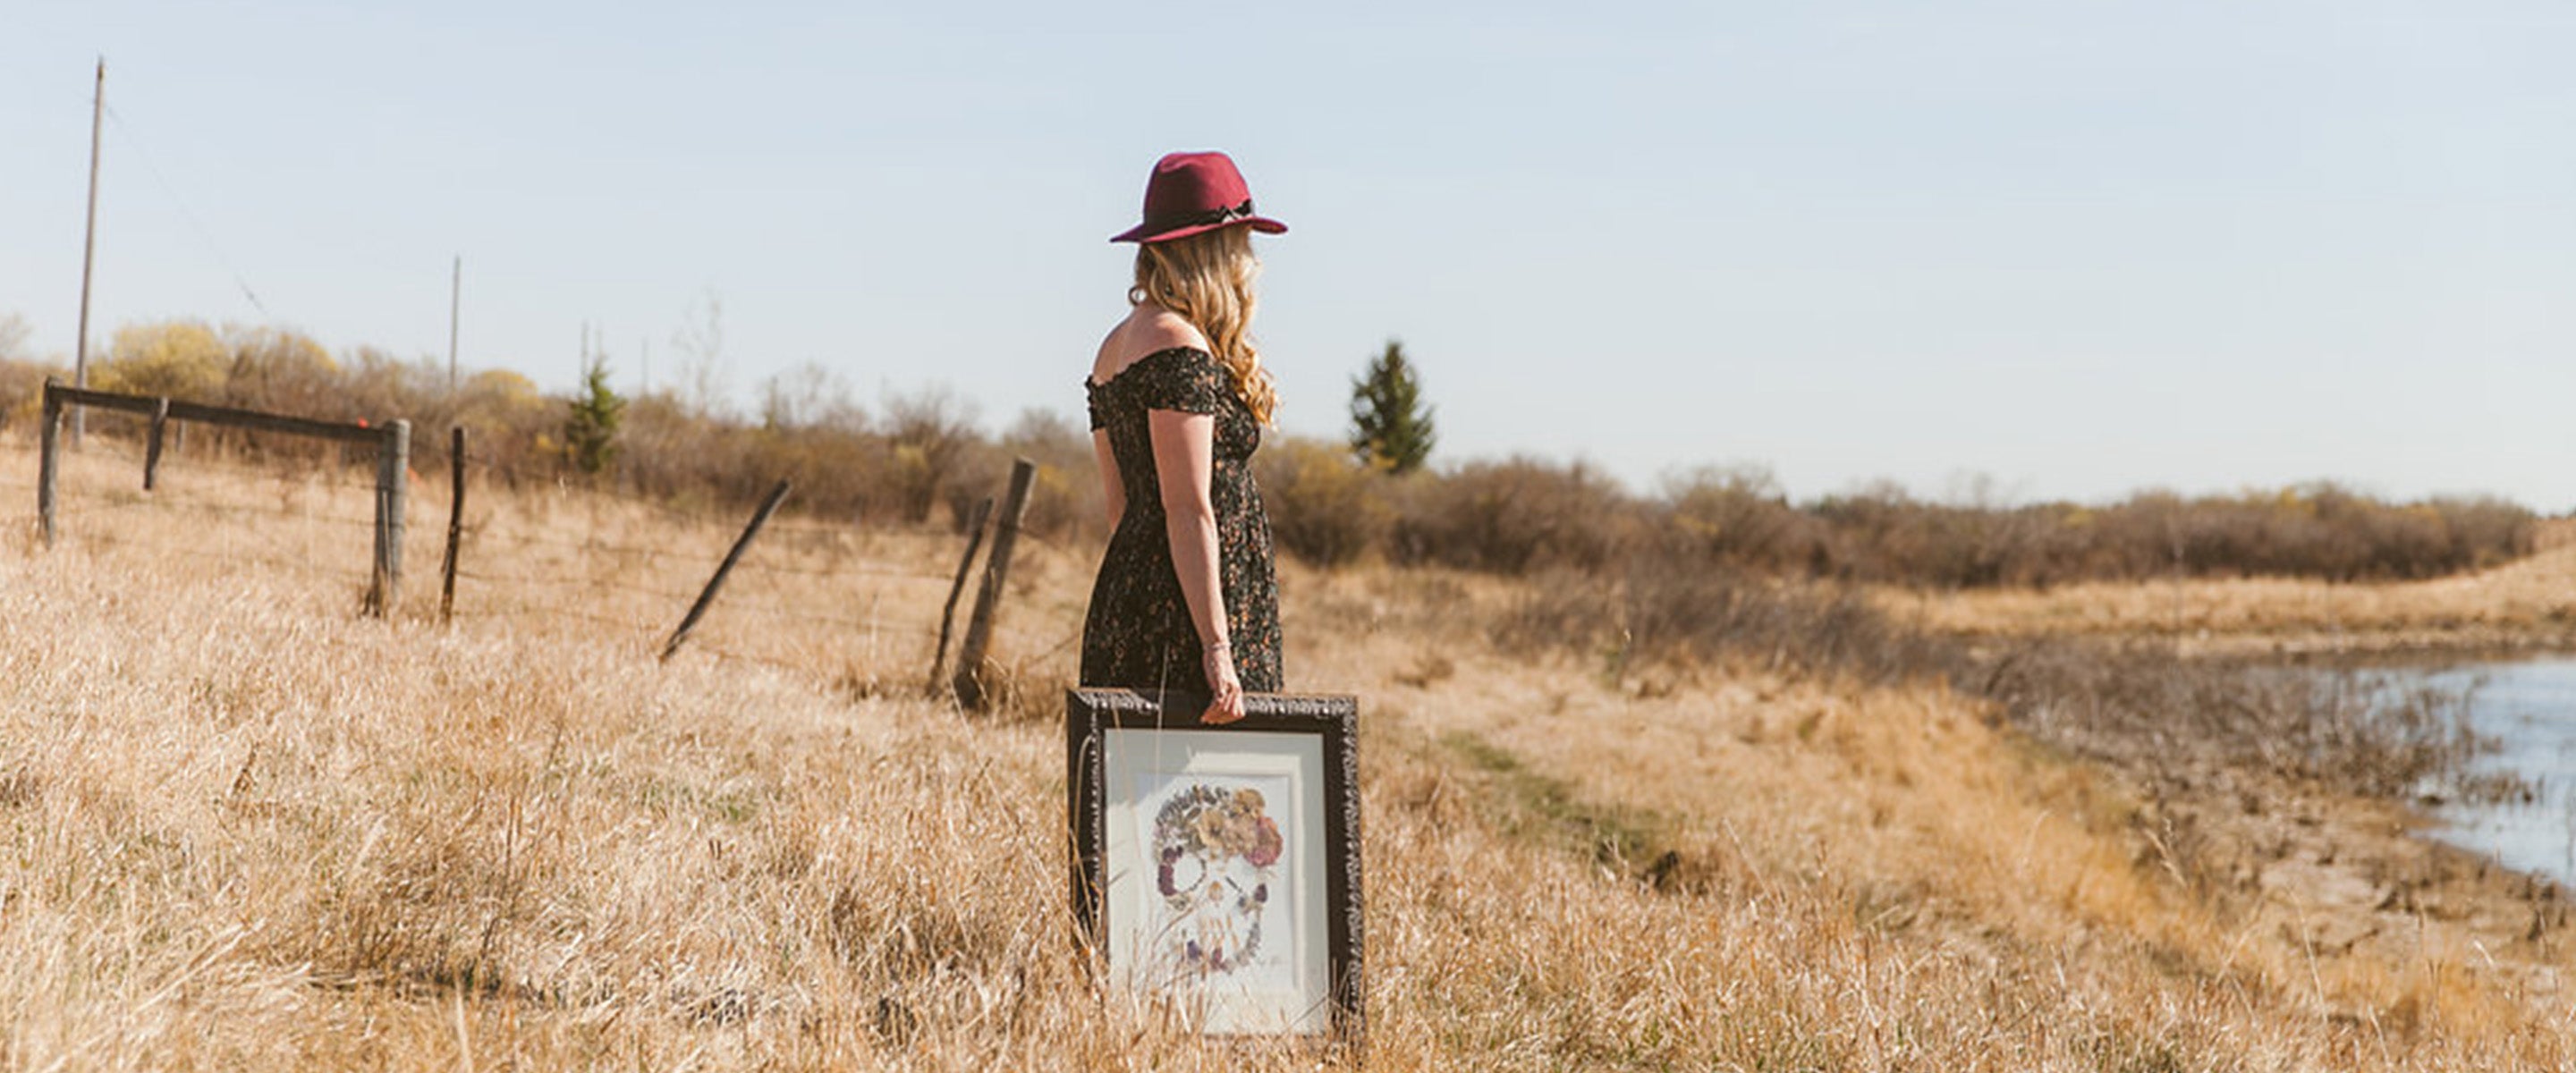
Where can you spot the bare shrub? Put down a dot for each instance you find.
(1516, 515)
(1065, 501)
(1665, 608)
(2359, 732)
(1740, 517)
(283, 371)
(1325, 507)
(14, 331)
(22, 387)
(2485, 531)
(931, 434)
(666, 452)
(184, 359)
(809, 396)
(1882, 533)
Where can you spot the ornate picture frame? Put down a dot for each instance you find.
(1220, 865)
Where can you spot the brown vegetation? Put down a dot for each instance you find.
(923, 455)
(2526, 604)
(1697, 779)
(2143, 707)
(249, 829)
(1522, 514)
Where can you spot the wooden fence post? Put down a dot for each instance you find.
(971, 687)
(948, 614)
(393, 472)
(699, 609)
(392, 442)
(152, 442)
(49, 437)
(455, 523)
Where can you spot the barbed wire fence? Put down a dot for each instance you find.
(854, 606)
(808, 596)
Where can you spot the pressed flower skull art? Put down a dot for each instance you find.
(1216, 854)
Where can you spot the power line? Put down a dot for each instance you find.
(134, 141)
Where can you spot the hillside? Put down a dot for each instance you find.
(249, 829)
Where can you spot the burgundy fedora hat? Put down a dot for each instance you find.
(1194, 192)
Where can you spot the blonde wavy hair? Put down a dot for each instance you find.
(1207, 279)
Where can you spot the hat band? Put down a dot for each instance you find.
(1212, 216)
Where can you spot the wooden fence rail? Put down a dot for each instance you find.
(972, 682)
(392, 441)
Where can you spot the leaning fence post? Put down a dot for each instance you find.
(393, 466)
(455, 523)
(152, 442)
(743, 543)
(49, 436)
(969, 683)
(948, 614)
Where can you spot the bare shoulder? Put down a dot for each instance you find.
(1147, 330)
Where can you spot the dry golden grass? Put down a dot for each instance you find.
(2529, 603)
(248, 829)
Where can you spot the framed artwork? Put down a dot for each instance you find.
(1220, 866)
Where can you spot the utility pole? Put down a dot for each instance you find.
(89, 254)
(455, 292)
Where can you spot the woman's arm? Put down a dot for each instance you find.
(1113, 492)
(1184, 449)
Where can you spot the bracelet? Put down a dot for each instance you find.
(1216, 647)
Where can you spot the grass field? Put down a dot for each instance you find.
(247, 828)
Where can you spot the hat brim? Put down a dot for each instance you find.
(1146, 233)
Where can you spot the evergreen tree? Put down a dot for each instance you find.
(590, 430)
(1390, 427)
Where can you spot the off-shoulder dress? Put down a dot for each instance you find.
(1137, 632)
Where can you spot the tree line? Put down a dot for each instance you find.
(925, 458)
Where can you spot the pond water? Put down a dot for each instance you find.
(2529, 708)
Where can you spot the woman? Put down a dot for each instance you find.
(1186, 595)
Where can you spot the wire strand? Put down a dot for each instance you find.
(134, 140)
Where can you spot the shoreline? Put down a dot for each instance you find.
(2343, 876)
(2340, 875)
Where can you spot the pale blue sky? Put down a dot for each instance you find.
(2081, 247)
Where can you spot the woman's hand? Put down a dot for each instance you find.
(1225, 688)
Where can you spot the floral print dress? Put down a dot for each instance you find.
(1137, 633)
